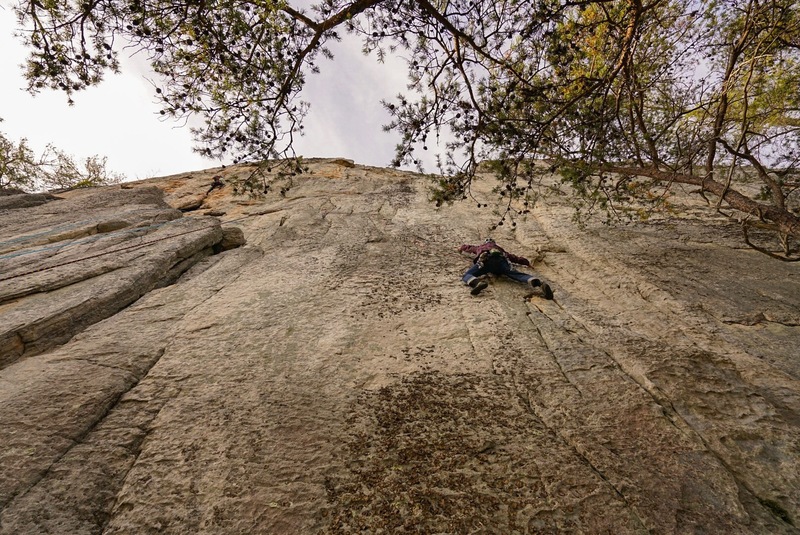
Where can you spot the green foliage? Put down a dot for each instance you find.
(18, 164)
(21, 168)
(269, 176)
(676, 91)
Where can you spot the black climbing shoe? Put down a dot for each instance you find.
(477, 286)
(548, 292)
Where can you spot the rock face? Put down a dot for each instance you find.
(71, 263)
(334, 376)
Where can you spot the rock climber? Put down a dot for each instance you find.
(217, 183)
(491, 258)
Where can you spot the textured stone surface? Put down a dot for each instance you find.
(10, 199)
(334, 376)
(71, 262)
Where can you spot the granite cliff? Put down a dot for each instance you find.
(178, 359)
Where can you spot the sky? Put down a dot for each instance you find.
(119, 119)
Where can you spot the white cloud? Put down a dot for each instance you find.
(346, 115)
(119, 119)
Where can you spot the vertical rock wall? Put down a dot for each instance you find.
(334, 376)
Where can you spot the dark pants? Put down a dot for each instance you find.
(501, 268)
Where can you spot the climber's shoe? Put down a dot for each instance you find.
(547, 291)
(477, 286)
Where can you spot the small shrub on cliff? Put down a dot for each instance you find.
(21, 168)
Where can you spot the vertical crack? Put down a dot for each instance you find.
(676, 420)
(523, 396)
(83, 434)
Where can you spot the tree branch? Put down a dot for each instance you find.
(785, 221)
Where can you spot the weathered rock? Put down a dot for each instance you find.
(15, 199)
(10, 191)
(232, 237)
(345, 381)
(69, 264)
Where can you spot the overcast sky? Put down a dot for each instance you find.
(119, 119)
